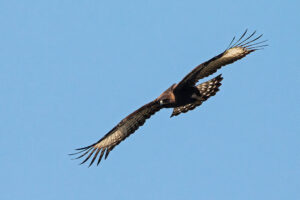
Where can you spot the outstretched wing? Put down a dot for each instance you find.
(236, 50)
(206, 90)
(119, 133)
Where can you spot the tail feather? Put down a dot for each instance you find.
(206, 89)
(210, 88)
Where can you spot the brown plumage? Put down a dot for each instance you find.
(184, 96)
(206, 90)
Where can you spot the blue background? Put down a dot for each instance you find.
(71, 70)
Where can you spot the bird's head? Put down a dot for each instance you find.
(167, 98)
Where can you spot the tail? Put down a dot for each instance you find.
(210, 88)
(206, 89)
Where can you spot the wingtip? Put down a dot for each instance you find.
(246, 42)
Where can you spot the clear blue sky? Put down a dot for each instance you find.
(71, 70)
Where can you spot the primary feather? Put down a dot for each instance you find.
(119, 133)
(233, 53)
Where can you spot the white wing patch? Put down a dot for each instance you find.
(234, 52)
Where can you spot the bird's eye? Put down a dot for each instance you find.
(163, 101)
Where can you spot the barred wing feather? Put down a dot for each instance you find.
(119, 133)
(236, 50)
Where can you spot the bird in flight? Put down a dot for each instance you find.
(182, 97)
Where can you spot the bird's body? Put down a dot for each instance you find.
(182, 97)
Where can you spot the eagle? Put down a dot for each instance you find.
(182, 97)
